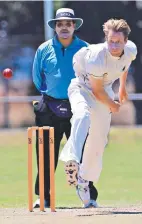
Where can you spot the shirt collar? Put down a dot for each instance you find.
(113, 57)
(57, 43)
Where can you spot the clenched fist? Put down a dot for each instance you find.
(115, 107)
(123, 96)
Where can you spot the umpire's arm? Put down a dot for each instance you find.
(37, 70)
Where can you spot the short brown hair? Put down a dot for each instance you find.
(117, 25)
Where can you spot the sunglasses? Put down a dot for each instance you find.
(67, 24)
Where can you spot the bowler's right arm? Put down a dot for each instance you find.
(101, 95)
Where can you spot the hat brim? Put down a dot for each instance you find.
(78, 22)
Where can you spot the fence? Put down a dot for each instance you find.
(17, 111)
(25, 99)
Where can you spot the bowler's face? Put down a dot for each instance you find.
(65, 28)
(116, 42)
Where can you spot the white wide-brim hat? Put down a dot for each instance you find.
(65, 14)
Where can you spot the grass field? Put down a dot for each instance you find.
(120, 182)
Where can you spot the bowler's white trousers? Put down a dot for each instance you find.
(89, 117)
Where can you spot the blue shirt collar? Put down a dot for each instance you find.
(57, 43)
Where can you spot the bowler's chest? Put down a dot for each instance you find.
(115, 68)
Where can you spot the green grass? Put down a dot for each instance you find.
(120, 182)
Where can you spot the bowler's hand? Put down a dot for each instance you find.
(123, 96)
(115, 107)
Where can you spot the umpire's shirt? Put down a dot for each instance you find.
(52, 67)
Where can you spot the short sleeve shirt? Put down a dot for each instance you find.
(96, 60)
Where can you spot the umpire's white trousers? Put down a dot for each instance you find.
(89, 116)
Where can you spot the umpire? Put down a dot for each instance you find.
(52, 73)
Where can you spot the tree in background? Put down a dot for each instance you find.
(22, 17)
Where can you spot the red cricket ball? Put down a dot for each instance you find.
(7, 73)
